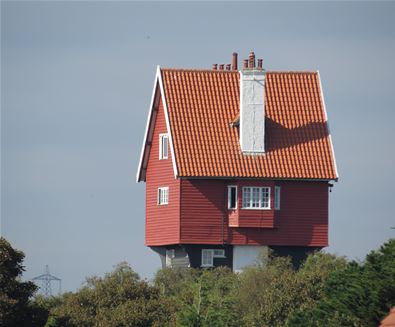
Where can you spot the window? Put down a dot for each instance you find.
(232, 197)
(220, 253)
(208, 256)
(163, 195)
(163, 146)
(256, 197)
(277, 191)
(170, 254)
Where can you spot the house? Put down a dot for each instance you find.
(236, 162)
(389, 321)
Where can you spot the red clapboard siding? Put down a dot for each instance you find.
(162, 222)
(302, 220)
(203, 211)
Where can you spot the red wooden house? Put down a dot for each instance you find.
(236, 162)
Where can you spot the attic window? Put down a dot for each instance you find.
(163, 146)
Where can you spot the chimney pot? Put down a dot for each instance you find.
(221, 67)
(260, 63)
(227, 66)
(215, 66)
(234, 61)
(245, 63)
(251, 60)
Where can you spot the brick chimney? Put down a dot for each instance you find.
(252, 107)
(234, 61)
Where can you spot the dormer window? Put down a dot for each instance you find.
(163, 146)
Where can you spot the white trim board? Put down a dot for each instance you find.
(158, 81)
(327, 124)
(162, 91)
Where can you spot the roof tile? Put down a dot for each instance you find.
(203, 103)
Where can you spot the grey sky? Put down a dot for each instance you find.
(76, 81)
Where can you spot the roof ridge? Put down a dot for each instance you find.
(235, 71)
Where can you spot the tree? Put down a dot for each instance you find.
(211, 301)
(272, 290)
(118, 299)
(15, 307)
(359, 295)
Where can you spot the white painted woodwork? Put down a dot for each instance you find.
(252, 111)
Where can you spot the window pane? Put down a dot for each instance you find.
(164, 150)
(232, 197)
(265, 197)
(219, 253)
(163, 195)
(246, 197)
(255, 197)
(207, 257)
(277, 197)
(163, 146)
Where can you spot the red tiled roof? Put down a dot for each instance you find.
(389, 321)
(202, 103)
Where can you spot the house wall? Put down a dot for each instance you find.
(302, 220)
(162, 221)
(203, 219)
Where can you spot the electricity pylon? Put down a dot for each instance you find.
(46, 279)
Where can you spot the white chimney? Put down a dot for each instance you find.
(252, 107)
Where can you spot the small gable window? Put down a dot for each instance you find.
(163, 195)
(232, 197)
(163, 146)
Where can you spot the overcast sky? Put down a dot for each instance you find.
(76, 82)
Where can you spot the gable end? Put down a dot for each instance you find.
(157, 94)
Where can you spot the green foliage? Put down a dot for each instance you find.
(213, 300)
(272, 290)
(52, 322)
(326, 291)
(359, 295)
(118, 299)
(15, 307)
(200, 297)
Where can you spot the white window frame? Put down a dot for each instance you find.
(211, 263)
(162, 155)
(220, 254)
(277, 197)
(258, 201)
(163, 195)
(230, 187)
